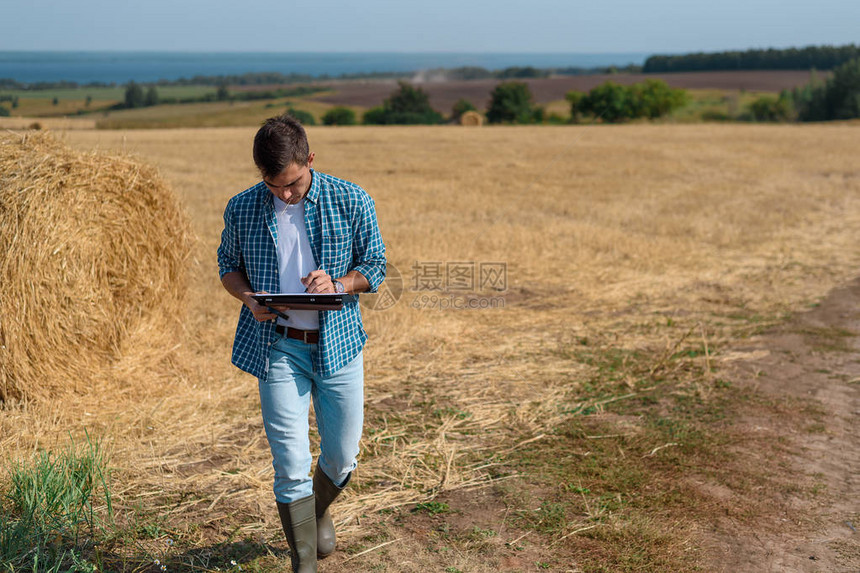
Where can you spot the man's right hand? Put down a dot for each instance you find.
(261, 312)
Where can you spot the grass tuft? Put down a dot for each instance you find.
(54, 509)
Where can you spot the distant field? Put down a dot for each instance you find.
(116, 93)
(212, 114)
(546, 90)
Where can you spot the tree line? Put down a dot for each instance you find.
(818, 57)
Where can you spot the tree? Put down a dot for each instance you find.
(339, 116)
(654, 98)
(609, 102)
(15, 102)
(4, 112)
(614, 103)
(134, 96)
(151, 97)
(304, 117)
(407, 105)
(511, 102)
(575, 98)
(460, 107)
(88, 101)
(223, 93)
(56, 101)
(838, 98)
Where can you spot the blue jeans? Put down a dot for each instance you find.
(285, 401)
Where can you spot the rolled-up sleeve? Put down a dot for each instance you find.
(368, 248)
(229, 253)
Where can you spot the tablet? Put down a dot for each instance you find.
(306, 301)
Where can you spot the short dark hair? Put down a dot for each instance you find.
(279, 142)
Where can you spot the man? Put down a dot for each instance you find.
(300, 230)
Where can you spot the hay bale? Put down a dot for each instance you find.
(92, 248)
(472, 119)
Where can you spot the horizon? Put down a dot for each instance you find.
(446, 26)
(419, 52)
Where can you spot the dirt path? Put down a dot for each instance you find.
(815, 358)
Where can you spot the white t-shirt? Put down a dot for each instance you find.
(295, 260)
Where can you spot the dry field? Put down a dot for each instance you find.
(560, 431)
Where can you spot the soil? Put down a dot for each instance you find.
(812, 360)
(798, 431)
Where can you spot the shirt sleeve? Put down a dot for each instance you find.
(368, 248)
(229, 253)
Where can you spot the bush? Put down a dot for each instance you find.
(406, 106)
(614, 103)
(575, 98)
(460, 107)
(609, 102)
(339, 116)
(769, 108)
(654, 98)
(4, 112)
(511, 102)
(304, 117)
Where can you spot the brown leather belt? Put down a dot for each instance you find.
(306, 336)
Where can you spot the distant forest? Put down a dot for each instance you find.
(818, 57)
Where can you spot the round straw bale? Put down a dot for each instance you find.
(91, 247)
(471, 118)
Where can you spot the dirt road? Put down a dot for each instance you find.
(814, 358)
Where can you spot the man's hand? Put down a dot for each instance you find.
(318, 282)
(262, 313)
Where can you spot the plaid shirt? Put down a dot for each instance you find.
(341, 222)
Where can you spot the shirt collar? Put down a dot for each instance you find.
(314, 191)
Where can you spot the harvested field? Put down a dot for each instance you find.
(545, 90)
(582, 422)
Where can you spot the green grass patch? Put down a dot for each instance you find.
(54, 510)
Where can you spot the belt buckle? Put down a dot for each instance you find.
(305, 336)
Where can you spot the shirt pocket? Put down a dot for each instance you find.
(336, 254)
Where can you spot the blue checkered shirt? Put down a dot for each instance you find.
(340, 218)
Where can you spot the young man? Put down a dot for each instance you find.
(300, 230)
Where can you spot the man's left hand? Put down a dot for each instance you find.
(318, 282)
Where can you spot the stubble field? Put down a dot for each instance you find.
(560, 427)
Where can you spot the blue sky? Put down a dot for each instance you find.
(658, 26)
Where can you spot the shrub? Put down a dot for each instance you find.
(769, 108)
(304, 117)
(654, 98)
(339, 116)
(575, 98)
(4, 112)
(407, 105)
(511, 102)
(609, 102)
(614, 103)
(460, 107)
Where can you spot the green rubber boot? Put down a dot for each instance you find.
(325, 492)
(300, 526)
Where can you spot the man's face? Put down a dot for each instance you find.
(291, 184)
